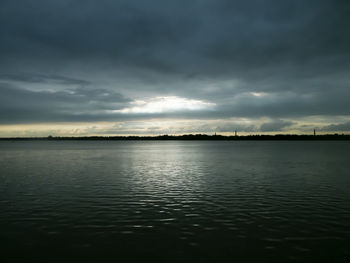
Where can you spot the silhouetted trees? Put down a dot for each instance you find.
(216, 137)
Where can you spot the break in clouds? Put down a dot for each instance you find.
(153, 67)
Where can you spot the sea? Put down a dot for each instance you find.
(174, 201)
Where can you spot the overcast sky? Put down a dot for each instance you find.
(104, 67)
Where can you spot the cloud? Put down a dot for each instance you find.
(41, 78)
(24, 106)
(78, 61)
(165, 105)
(275, 125)
(337, 127)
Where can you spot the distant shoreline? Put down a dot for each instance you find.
(200, 137)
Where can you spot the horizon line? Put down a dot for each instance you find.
(197, 136)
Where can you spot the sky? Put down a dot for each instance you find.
(135, 67)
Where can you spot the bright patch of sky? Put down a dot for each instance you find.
(166, 104)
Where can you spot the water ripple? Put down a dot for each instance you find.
(199, 200)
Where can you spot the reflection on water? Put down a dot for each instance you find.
(175, 201)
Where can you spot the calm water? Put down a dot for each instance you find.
(180, 201)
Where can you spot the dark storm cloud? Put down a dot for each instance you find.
(277, 125)
(298, 52)
(78, 104)
(41, 78)
(337, 127)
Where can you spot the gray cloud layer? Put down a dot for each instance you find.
(74, 61)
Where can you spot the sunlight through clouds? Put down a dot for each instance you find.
(258, 94)
(230, 65)
(166, 104)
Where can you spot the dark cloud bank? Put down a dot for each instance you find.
(82, 61)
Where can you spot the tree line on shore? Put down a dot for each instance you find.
(196, 137)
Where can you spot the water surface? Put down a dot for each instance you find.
(175, 201)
